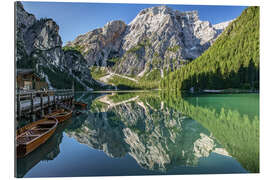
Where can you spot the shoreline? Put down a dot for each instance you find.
(205, 91)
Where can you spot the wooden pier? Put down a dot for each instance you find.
(33, 103)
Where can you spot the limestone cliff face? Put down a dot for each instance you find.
(101, 44)
(37, 37)
(158, 37)
(166, 28)
(43, 42)
(161, 38)
(23, 21)
(43, 35)
(39, 46)
(77, 67)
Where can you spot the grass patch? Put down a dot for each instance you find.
(73, 48)
(153, 75)
(98, 72)
(174, 48)
(126, 84)
(97, 105)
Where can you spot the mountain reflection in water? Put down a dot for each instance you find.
(156, 136)
(162, 133)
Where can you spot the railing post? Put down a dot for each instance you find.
(41, 105)
(49, 109)
(73, 89)
(65, 93)
(48, 95)
(32, 103)
(54, 100)
(57, 100)
(58, 97)
(32, 107)
(69, 99)
(73, 98)
(18, 106)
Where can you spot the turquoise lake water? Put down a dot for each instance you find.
(151, 133)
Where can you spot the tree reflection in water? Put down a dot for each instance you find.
(161, 132)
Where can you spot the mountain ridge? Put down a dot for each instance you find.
(158, 37)
(159, 40)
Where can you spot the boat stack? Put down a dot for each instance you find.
(31, 136)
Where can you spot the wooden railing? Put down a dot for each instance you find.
(32, 101)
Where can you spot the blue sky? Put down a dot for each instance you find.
(78, 18)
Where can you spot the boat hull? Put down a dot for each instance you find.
(60, 115)
(80, 104)
(24, 149)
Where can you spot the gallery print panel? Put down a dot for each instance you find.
(107, 89)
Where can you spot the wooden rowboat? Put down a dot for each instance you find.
(80, 104)
(61, 115)
(48, 151)
(31, 136)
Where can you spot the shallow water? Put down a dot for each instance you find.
(151, 133)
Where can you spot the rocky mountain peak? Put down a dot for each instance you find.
(47, 35)
(114, 26)
(157, 10)
(100, 44)
(173, 36)
(39, 46)
(221, 26)
(158, 37)
(23, 18)
(188, 15)
(176, 28)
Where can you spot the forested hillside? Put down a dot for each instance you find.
(231, 62)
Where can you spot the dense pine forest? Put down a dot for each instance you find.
(231, 62)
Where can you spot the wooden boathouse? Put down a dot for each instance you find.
(27, 79)
(34, 100)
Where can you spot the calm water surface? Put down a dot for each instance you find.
(152, 133)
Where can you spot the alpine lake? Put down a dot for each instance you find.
(151, 133)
